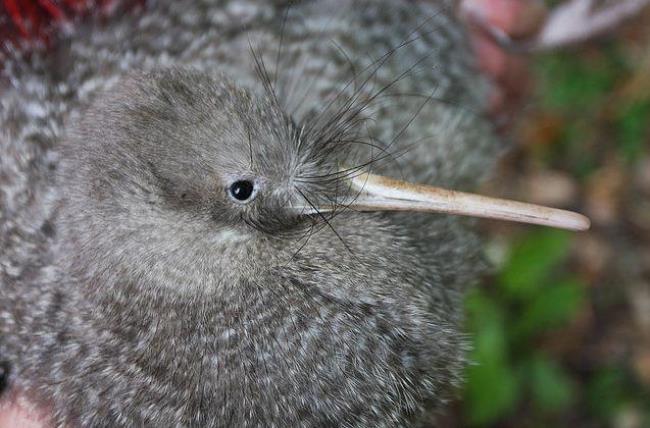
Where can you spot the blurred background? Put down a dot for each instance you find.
(561, 328)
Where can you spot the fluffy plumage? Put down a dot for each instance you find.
(135, 291)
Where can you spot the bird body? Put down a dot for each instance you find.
(138, 289)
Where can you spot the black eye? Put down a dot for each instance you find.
(241, 190)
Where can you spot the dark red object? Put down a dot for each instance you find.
(37, 20)
(34, 19)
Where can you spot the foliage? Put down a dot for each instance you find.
(532, 296)
(592, 111)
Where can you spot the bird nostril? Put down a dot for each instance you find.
(242, 190)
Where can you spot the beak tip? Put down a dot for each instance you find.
(585, 224)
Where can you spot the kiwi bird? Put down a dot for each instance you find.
(198, 226)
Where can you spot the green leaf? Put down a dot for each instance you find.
(532, 261)
(486, 322)
(608, 393)
(633, 127)
(491, 388)
(552, 390)
(553, 307)
(576, 84)
(491, 392)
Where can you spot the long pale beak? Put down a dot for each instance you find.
(377, 193)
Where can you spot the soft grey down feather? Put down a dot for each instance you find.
(134, 292)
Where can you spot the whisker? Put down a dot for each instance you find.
(250, 148)
(347, 106)
(415, 115)
(279, 54)
(306, 236)
(380, 62)
(320, 214)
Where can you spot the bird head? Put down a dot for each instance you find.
(186, 177)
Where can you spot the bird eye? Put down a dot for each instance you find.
(241, 190)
